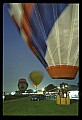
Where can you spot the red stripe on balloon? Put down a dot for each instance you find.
(27, 7)
(62, 71)
(27, 29)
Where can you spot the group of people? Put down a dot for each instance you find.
(62, 94)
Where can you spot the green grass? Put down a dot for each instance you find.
(26, 107)
(11, 97)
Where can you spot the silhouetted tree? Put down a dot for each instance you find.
(50, 87)
(29, 91)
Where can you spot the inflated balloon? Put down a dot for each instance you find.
(36, 77)
(52, 33)
(22, 85)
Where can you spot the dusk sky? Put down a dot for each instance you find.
(19, 61)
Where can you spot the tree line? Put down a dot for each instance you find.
(54, 88)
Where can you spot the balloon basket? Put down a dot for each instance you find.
(62, 101)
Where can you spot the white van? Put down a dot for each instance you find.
(73, 94)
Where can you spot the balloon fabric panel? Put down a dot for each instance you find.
(51, 32)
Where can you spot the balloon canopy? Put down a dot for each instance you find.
(36, 77)
(22, 85)
(52, 33)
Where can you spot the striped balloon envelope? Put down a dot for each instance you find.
(51, 31)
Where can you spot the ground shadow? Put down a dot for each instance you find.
(73, 101)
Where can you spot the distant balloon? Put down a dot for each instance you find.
(52, 33)
(22, 85)
(36, 77)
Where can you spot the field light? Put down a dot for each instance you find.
(58, 87)
(12, 93)
(42, 89)
(34, 90)
(66, 86)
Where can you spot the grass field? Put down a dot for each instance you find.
(25, 107)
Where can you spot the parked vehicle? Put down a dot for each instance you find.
(74, 94)
(38, 97)
(51, 96)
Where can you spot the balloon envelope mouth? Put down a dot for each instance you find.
(62, 71)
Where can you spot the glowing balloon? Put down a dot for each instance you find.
(36, 77)
(52, 33)
(22, 85)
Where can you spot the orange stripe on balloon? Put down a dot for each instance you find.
(27, 29)
(62, 71)
(27, 7)
(25, 25)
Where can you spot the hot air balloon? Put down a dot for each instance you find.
(36, 78)
(52, 33)
(22, 85)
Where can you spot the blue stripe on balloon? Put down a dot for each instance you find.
(49, 13)
(41, 58)
(42, 18)
(47, 17)
(37, 29)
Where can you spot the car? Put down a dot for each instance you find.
(73, 94)
(38, 97)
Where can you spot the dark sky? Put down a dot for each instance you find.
(19, 61)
